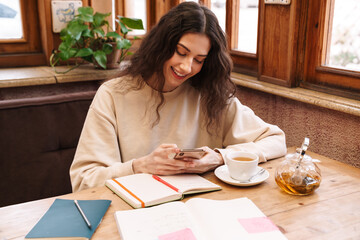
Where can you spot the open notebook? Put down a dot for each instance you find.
(144, 190)
(198, 219)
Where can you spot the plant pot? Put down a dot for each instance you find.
(112, 59)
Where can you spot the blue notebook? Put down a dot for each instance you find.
(64, 220)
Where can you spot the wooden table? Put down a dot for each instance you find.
(332, 212)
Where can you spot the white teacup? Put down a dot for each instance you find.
(242, 165)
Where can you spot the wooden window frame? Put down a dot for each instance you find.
(243, 62)
(27, 51)
(317, 75)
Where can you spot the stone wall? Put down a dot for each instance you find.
(332, 134)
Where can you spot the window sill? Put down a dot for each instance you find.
(341, 104)
(31, 76)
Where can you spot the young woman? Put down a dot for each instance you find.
(176, 92)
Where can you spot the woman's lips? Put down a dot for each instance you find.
(177, 74)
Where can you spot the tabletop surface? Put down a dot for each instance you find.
(332, 212)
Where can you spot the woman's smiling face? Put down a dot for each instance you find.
(188, 59)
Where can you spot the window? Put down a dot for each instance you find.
(332, 48)
(134, 9)
(219, 8)
(312, 44)
(137, 9)
(247, 26)
(10, 20)
(242, 30)
(244, 24)
(344, 36)
(239, 19)
(21, 45)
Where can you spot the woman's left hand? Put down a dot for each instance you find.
(208, 162)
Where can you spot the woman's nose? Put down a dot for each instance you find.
(186, 65)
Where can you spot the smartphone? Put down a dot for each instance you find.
(194, 153)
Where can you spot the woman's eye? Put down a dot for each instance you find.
(181, 54)
(198, 61)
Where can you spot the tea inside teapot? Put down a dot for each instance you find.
(298, 174)
(309, 182)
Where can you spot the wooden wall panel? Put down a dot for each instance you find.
(103, 6)
(278, 43)
(163, 6)
(47, 36)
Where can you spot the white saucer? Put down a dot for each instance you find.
(222, 173)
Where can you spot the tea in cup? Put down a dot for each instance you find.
(241, 165)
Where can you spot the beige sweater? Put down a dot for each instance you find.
(118, 128)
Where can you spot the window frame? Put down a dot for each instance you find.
(243, 62)
(27, 51)
(318, 76)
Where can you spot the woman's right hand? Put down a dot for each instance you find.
(160, 162)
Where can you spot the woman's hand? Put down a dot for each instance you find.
(160, 162)
(210, 161)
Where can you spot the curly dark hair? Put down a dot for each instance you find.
(158, 46)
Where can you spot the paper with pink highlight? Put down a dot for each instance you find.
(258, 225)
(184, 234)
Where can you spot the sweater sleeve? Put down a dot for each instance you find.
(245, 131)
(97, 156)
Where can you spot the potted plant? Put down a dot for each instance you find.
(88, 38)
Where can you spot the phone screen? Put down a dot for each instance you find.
(195, 153)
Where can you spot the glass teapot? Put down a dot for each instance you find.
(298, 174)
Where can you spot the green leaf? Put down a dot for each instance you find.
(86, 10)
(64, 46)
(123, 44)
(63, 32)
(85, 14)
(114, 35)
(88, 58)
(75, 30)
(99, 19)
(107, 48)
(124, 30)
(87, 33)
(84, 52)
(105, 23)
(134, 23)
(100, 32)
(100, 58)
(86, 18)
(65, 55)
(69, 40)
